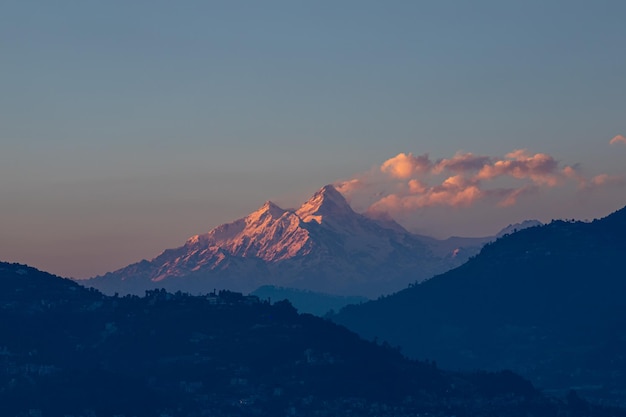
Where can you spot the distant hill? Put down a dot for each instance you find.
(26, 288)
(323, 246)
(65, 350)
(307, 301)
(547, 302)
(512, 228)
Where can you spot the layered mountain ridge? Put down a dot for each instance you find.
(66, 350)
(547, 302)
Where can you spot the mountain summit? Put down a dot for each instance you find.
(323, 245)
(326, 205)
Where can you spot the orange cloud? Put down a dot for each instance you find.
(417, 187)
(455, 191)
(461, 162)
(349, 186)
(508, 197)
(405, 183)
(618, 139)
(601, 181)
(455, 197)
(540, 168)
(404, 166)
(571, 172)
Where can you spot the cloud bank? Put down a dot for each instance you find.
(408, 182)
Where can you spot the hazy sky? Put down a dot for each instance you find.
(128, 126)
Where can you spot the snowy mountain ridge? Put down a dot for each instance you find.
(323, 245)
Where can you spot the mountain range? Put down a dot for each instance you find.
(547, 302)
(323, 246)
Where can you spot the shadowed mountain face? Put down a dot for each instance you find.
(66, 350)
(547, 302)
(322, 246)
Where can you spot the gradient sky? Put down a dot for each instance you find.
(128, 126)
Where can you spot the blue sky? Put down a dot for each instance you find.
(127, 126)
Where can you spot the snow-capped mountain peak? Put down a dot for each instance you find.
(267, 212)
(327, 202)
(322, 246)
